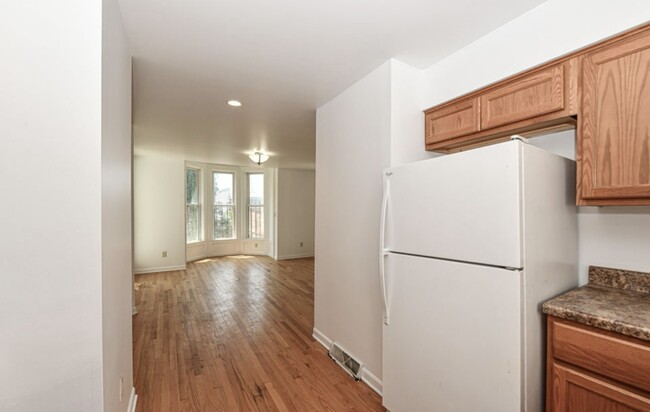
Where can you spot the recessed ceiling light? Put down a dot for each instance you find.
(234, 103)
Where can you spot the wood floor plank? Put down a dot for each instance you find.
(234, 334)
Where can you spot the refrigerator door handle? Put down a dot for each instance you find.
(382, 249)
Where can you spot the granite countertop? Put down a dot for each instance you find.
(614, 300)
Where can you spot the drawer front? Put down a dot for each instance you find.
(533, 95)
(458, 119)
(623, 360)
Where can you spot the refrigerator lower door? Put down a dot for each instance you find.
(454, 340)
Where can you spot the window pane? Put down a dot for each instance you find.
(192, 186)
(256, 189)
(224, 206)
(255, 205)
(193, 223)
(192, 206)
(224, 222)
(256, 222)
(223, 189)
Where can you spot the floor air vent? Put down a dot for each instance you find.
(347, 362)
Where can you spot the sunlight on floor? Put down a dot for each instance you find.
(212, 259)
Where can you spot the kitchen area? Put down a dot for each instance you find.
(512, 266)
(438, 206)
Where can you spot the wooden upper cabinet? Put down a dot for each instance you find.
(543, 99)
(533, 95)
(603, 88)
(454, 120)
(613, 150)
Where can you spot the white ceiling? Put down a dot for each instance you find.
(282, 59)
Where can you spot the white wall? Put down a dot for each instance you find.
(295, 191)
(117, 268)
(352, 148)
(617, 237)
(407, 118)
(52, 242)
(159, 213)
(50, 116)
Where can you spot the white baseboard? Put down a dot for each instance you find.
(322, 339)
(372, 381)
(299, 256)
(160, 269)
(133, 401)
(367, 377)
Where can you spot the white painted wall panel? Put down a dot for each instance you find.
(295, 213)
(65, 264)
(159, 213)
(116, 211)
(407, 119)
(352, 148)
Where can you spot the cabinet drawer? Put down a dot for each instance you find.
(455, 120)
(620, 359)
(539, 93)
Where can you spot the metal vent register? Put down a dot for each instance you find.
(347, 362)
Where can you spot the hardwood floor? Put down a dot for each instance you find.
(234, 334)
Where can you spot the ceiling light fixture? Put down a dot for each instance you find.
(234, 103)
(258, 157)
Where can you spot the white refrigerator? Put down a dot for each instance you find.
(471, 245)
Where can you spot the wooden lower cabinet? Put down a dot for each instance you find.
(575, 391)
(580, 378)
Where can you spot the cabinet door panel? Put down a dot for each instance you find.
(576, 391)
(533, 95)
(614, 145)
(455, 120)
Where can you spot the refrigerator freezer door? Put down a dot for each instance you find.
(454, 340)
(464, 206)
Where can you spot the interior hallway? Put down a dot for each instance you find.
(234, 334)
